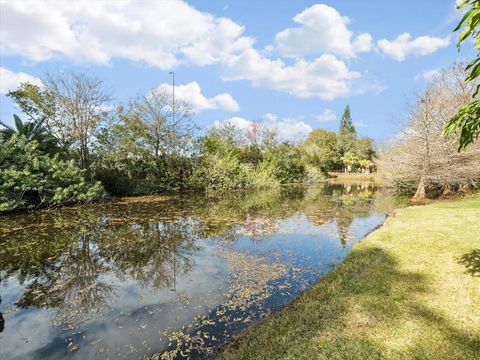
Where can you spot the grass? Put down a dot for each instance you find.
(338, 177)
(410, 290)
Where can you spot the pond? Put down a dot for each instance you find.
(169, 277)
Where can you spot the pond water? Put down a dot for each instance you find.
(169, 277)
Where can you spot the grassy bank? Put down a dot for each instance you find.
(337, 177)
(410, 290)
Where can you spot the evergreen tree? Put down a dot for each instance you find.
(346, 125)
(347, 136)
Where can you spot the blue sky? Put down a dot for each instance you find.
(295, 63)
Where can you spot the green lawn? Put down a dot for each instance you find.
(342, 177)
(410, 290)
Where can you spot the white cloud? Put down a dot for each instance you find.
(167, 33)
(270, 117)
(161, 33)
(287, 129)
(236, 121)
(322, 29)
(369, 86)
(293, 130)
(427, 74)
(10, 80)
(327, 115)
(226, 102)
(192, 93)
(363, 43)
(359, 124)
(325, 77)
(404, 46)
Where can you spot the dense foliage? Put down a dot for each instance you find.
(30, 177)
(230, 158)
(467, 119)
(75, 141)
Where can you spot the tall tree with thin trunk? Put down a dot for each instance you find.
(347, 135)
(81, 102)
(151, 128)
(346, 125)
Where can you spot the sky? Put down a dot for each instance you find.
(291, 64)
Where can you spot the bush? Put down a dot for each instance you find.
(290, 167)
(137, 176)
(264, 174)
(31, 178)
(313, 175)
(222, 172)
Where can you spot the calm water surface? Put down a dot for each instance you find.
(169, 277)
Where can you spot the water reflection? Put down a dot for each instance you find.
(144, 275)
(2, 321)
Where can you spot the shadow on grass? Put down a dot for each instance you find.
(367, 309)
(471, 261)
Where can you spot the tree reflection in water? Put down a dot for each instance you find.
(2, 321)
(75, 282)
(72, 284)
(71, 260)
(153, 254)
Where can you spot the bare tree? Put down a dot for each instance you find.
(154, 125)
(421, 154)
(80, 103)
(259, 134)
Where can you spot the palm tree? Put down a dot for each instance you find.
(33, 131)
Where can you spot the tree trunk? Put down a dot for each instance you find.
(420, 194)
(447, 190)
(463, 188)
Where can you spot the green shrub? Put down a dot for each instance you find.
(313, 175)
(31, 178)
(137, 176)
(264, 174)
(290, 167)
(222, 172)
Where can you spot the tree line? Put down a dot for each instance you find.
(72, 145)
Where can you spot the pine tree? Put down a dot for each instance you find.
(347, 136)
(346, 125)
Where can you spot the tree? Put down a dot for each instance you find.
(38, 104)
(365, 148)
(320, 148)
(153, 127)
(33, 130)
(346, 125)
(81, 102)
(467, 119)
(347, 134)
(29, 177)
(145, 147)
(69, 105)
(349, 160)
(366, 165)
(423, 160)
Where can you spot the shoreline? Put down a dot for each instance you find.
(115, 198)
(284, 333)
